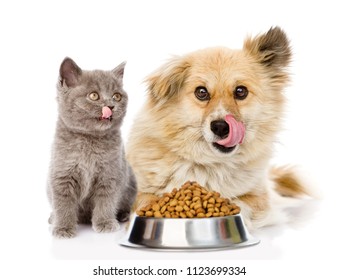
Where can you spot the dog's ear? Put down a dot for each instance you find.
(166, 82)
(270, 49)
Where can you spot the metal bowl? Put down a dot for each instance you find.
(191, 233)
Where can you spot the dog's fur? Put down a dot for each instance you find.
(171, 141)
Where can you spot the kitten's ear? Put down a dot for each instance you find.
(119, 71)
(69, 72)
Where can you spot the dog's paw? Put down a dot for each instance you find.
(64, 232)
(106, 226)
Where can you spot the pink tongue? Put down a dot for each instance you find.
(236, 133)
(106, 112)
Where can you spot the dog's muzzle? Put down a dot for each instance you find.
(220, 128)
(230, 131)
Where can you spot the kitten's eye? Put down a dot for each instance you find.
(202, 94)
(240, 92)
(117, 96)
(93, 96)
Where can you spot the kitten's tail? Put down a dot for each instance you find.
(289, 182)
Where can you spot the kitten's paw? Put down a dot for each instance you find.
(106, 226)
(123, 216)
(51, 219)
(64, 232)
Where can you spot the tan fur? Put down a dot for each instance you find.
(287, 182)
(171, 140)
(144, 199)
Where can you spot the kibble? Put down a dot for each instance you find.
(190, 201)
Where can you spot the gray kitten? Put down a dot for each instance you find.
(90, 180)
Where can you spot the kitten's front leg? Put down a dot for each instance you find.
(64, 210)
(104, 211)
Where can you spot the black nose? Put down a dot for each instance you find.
(220, 128)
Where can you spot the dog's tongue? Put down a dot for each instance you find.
(106, 112)
(236, 132)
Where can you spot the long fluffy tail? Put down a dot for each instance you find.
(288, 182)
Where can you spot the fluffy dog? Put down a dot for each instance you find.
(212, 116)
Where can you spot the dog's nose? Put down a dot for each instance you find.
(220, 128)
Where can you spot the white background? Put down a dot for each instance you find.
(37, 35)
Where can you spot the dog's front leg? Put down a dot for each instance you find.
(144, 199)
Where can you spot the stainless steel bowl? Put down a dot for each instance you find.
(191, 233)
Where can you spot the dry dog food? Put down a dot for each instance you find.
(190, 201)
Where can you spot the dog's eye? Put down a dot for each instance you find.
(202, 94)
(240, 92)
